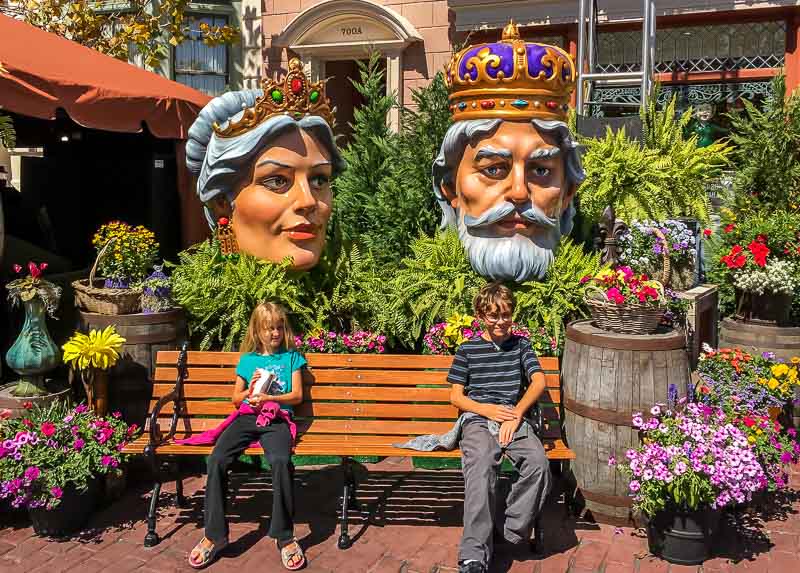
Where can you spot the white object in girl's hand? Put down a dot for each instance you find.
(267, 382)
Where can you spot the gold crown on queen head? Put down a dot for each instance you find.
(510, 79)
(294, 96)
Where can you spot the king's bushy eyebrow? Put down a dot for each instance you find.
(493, 153)
(545, 153)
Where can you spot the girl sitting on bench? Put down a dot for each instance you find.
(270, 361)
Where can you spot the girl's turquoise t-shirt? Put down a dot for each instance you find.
(283, 364)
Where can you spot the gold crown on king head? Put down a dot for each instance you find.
(510, 79)
(294, 96)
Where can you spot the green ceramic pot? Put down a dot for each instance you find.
(34, 353)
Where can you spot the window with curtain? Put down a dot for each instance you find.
(197, 65)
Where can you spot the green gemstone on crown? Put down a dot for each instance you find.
(313, 96)
(277, 96)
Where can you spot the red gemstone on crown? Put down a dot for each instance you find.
(551, 104)
(296, 85)
(223, 221)
(487, 104)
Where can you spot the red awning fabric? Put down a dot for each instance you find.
(41, 72)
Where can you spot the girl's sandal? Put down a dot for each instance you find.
(206, 554)
(292, 555)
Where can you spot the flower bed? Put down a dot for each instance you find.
(55, 447)
(359, 342)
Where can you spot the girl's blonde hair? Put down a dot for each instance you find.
(264, 316)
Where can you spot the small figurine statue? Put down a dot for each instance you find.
(707, 132)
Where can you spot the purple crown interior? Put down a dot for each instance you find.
(534, 53)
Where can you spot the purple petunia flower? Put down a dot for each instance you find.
(32, 473)
(78, 445)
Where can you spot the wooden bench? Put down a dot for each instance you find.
(354, 405)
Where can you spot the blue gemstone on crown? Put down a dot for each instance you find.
(520, 103)
(462, 106)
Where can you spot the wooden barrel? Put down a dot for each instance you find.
(784, 341)
(130, 384)
(606, 377)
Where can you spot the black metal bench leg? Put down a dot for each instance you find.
(151, 538)
(348, 502)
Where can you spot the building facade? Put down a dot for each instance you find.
(711, 52)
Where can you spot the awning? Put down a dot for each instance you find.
(41, 72)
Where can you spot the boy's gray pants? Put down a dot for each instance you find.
(481, 456)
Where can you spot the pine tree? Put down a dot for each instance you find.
(368, 156)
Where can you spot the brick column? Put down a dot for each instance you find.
(792, 65)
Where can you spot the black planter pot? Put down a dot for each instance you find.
(682, 537)
(70, 515)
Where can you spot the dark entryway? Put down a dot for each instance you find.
(343, 95)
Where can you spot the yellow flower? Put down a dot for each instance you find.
(100, 349)
(795, 359)
(762, 381)
(759, 431)
(772, 384)
(792, 374)
(785, 387)
(779, 370)
(751, 439)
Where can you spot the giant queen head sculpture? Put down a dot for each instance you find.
(508, 167)
(264, 160)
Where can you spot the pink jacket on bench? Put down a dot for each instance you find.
(269, 411)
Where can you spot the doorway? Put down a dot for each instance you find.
(344, 96)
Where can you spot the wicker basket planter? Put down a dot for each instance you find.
(91, 296)
(625, 318)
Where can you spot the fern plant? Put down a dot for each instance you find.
(662, 177)
(8, 136)
(557, 299)
(219, 294)
(433, 283)
(768, 152)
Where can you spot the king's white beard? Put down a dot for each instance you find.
(517, 258)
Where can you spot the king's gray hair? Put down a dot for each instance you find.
(468, 132)
(221, 163)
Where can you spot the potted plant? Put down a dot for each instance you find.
(91, 355)
(666, 250)
(124, 255)
(324, 341)
(754, 383)
(759, 258)
(623, 301)
(34, 353)
(691, 463)
(157, 292)
(51, 459)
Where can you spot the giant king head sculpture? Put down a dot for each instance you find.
(264, 160)
(508, 167)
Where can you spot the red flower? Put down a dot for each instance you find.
(26, 422)
(707, 232)
(760, 251)
(17, 268)
(27, 404)
(734, 259)
(48, 429)
(749, 422)
(34, 270)
(761, 238)
(43, 267)
(729, 227)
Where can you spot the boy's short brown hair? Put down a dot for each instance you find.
(492, 297)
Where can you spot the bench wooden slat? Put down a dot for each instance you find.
(369, 427)
(376, 377)
(365, 361)
(345, 445)
(332, 410)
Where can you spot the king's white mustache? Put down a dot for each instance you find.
(529, 212)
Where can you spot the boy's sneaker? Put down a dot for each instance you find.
(471, 567)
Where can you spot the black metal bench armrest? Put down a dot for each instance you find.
(175, 396)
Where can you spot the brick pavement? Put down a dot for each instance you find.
(413, 526)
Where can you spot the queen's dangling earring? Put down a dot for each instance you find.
(227, 240)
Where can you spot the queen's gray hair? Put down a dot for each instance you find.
(221, 163)
(468, 132)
